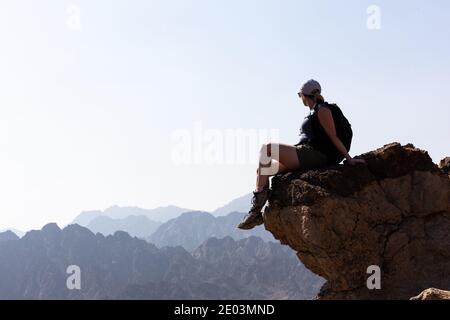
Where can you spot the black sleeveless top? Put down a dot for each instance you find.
(321, 141)
(313, 134)
(305, 131)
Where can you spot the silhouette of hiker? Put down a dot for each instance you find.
(325, 139)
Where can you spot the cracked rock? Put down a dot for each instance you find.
(433, 294)
(393, 213)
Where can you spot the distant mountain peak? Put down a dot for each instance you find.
(159, 214)
(51, 228)
(19, 233)
(196, 214)
(192, 228)
(122, 235)
(136, 225)
(241, 204)
(8, 235)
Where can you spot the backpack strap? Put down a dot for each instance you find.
(318, 105)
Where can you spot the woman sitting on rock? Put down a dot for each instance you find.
(325, 139)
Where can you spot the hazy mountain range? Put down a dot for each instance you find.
(160, 214)
(188, 230)
(163, 253)
(171, 225)
(143, 223)
(136, 226)
(241, 204)
(119, 266)
(192, 228)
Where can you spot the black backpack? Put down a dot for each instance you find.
(322, 142)
(343, 127)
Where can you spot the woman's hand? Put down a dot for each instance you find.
(354, 162)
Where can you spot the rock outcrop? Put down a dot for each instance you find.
(433, 294)
(393, 213)
(445, 165)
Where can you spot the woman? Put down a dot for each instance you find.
(319, 146)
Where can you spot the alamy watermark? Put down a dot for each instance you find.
(73, 281)
(374, 280)
(374, 18)
(232, 146)
(73, 21)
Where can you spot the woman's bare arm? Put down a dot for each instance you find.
(327, 122)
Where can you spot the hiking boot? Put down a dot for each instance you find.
(254, 217)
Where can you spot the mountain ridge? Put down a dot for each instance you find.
(123, 267)
(159, 214)
(191, 229)
(139, 226)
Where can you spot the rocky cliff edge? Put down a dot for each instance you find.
(393, 213)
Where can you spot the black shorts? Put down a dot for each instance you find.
(310, 158)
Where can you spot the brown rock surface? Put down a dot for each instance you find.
(445, 165)
(433, 294)
(393, 213)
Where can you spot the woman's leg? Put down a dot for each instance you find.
(275, 158)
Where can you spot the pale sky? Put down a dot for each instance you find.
(89, 102)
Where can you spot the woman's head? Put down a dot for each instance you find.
(310, 93)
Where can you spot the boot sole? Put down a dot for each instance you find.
(244, 226)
